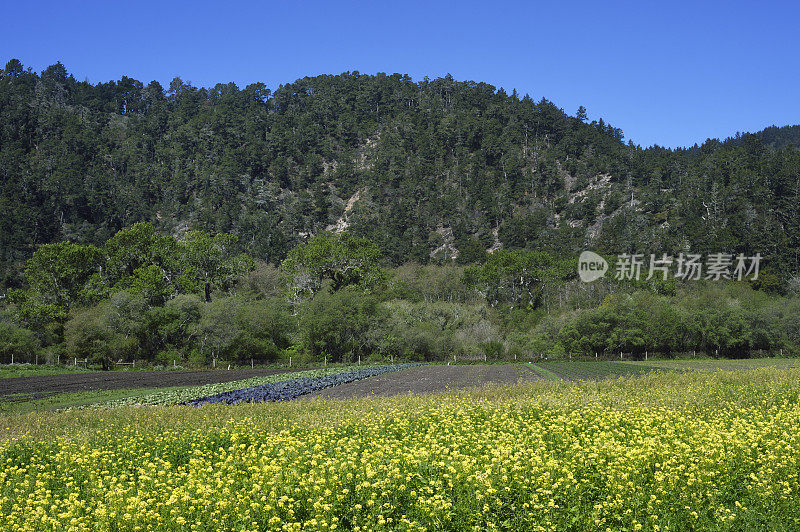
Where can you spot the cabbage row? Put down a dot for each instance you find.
(291, 389)
(184, 395)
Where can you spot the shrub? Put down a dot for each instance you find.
(342, 325)
(239, 330)
(17, 342)
(94, 334)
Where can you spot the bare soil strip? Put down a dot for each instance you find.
(45, 385)
(429, 379)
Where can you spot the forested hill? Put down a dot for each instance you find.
(778, 137)
(433, 170)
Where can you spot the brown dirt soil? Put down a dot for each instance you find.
(44, 385)
(429, 379)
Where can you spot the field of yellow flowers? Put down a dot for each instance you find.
(666, 451)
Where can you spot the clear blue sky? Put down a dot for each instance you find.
(669, 73)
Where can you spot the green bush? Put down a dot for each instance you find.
(236, 329)
(168, 358)
(95, 334)
(341, 325)
(17, 342)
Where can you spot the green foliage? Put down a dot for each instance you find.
(211, 262)
(515, 277)
(429, 283)
(471, 251)
(730, 321)
(139, 246)
(17, 342)
(343, 258)
(81, 162)
(170, 327)
(97, 335)
(340, 325)
(62, 275)
(617, 325)
(724, 330)
(103, 175)
(265, 281)
(238, 330)
(436, 330)
(151, 284)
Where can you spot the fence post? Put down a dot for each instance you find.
(645, 354)
(214, 363)
(620, 355)
(326, 361)
(484, 357)
(290, 362)
(595, 355)
(76, 361)
(251, 363)
(359, 360)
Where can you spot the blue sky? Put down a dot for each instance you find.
(667, 73)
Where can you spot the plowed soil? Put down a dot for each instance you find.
(429, 379)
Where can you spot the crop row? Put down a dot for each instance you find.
(291, 389)
(588, 370)
(184, 395)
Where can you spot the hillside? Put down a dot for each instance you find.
(432, 170)
(778, 137)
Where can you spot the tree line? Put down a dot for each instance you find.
(193, 299)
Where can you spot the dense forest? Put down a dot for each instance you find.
(360, 215)
(432, 170)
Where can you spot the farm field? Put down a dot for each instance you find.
(578, 370)
(126, 388)
(287, 389)
(22, 403)
(658, 451)
(718, 363)
(430, 379)
(40, 386)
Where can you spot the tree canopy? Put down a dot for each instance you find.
(425, 169)
(342, 258)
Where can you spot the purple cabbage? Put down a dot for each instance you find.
(291, 389)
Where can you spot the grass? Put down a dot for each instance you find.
(543, 372)
(8, 371)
